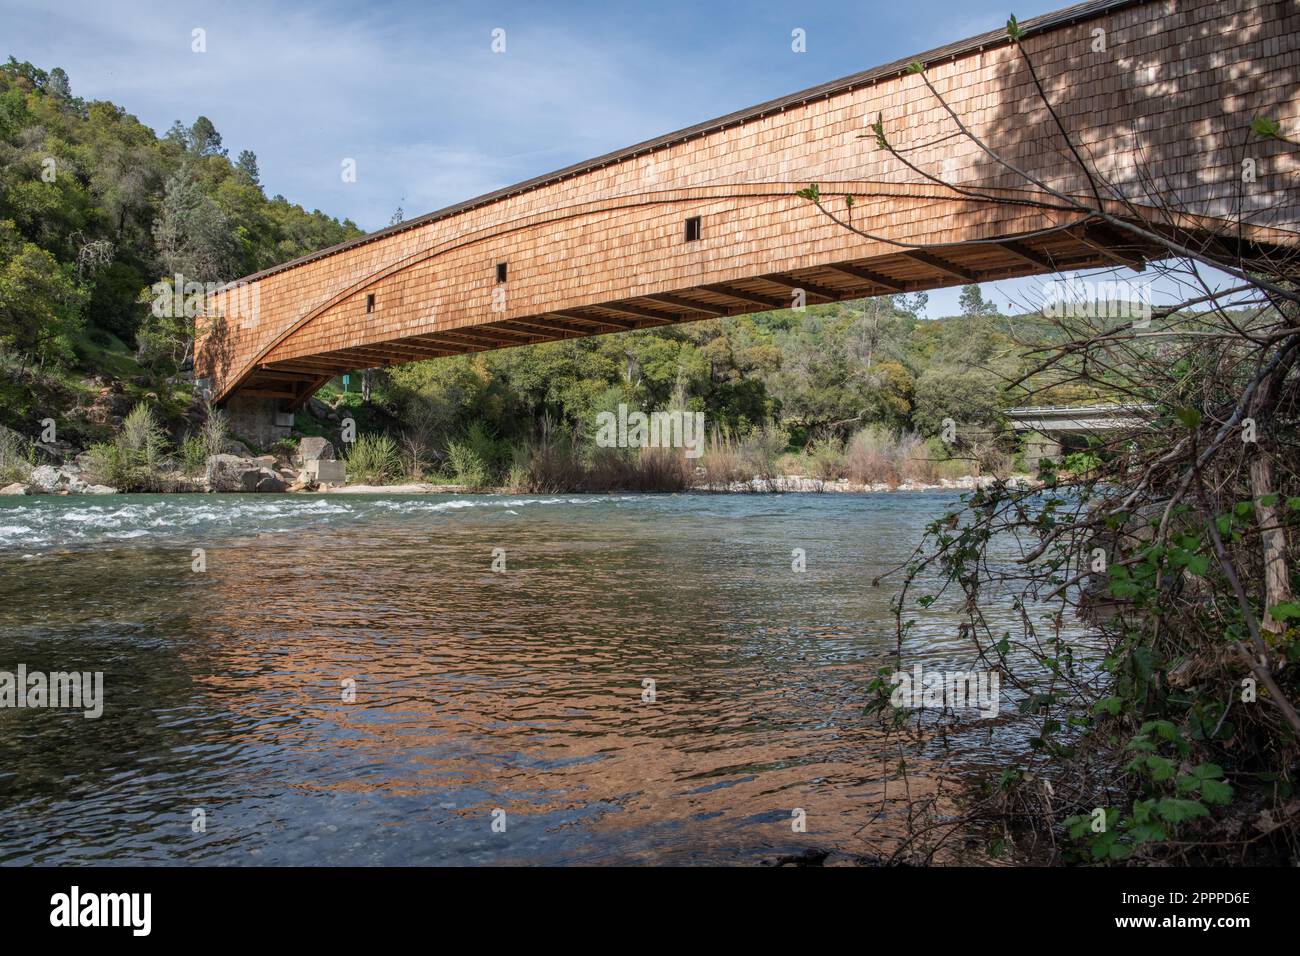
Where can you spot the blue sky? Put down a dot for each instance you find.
(413, 92)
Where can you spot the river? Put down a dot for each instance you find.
(347, 680)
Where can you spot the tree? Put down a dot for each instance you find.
(192, 234)
(247, 164)
(40, 300)
(973, 305)
(58, 86)
(204, 140)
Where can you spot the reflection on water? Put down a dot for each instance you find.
(474, 690)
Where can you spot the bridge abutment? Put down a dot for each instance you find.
(258, 420)
(1039, 446)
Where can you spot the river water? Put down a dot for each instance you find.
(348, 681)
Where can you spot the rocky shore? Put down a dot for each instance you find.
(312, 466)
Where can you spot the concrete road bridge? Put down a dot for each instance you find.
(1046, 428)
(705, 221)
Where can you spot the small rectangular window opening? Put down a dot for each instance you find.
(370, 302)
(501, 272)
(693, 229)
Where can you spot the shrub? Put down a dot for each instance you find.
(826, 460)
(14, 452)
(467, 466)
(761, 451)
(374, 459)
(754, 457)
(876, 455)
(215, 432)
(136, 459)
(722, 461)
(193, 454)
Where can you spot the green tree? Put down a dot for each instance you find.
(40, 300)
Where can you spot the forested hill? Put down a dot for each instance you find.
(95, 207)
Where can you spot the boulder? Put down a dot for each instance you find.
(48, 480)
(314, 449)
(233, 473)
(270, 482)
(17, 488)
(98, 490)
(44, 480)
(56, 451)
(320, 410)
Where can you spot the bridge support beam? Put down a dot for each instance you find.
(1039, 446)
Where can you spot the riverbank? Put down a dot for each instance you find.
(221, 464)
(65, 482)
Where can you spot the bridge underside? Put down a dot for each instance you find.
(294, 380)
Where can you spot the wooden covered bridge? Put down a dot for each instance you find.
(704, 222)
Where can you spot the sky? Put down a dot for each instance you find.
(415, 94)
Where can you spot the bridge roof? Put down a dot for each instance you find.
(1040, 24)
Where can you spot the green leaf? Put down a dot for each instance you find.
(1265, 127)
(811, 193)
(878, 127)
(1161, 769)
(1109, 705)
(1013, 29)
(1216, 791)
(1174, 810)
(1286, 611)
(1189, 417)
(1144, 832)
(915, 67)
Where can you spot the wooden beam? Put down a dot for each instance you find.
(638, 311)
(809, 288)
(943, 265)
(267, 393)
(442, 348)
(602, 320)
(359, 357)
(867, 275)
(470, 338)
(1022, 251)
(505, 328)
(1110, 242)
(679, 302)
(312, 387)
(740, 295)
(388, 350)
(535, 327)
(306, 366)
(279, 375)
